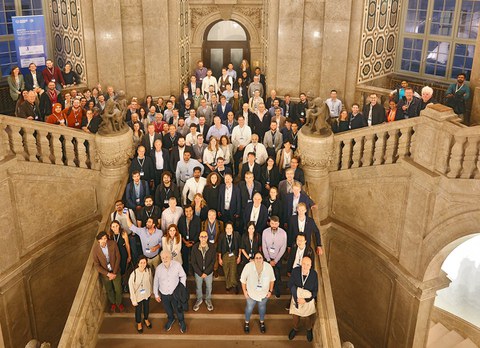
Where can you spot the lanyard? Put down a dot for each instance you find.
(142, 163)
(116, 239)
(151, 212)
(304, 280)
(458, 88)
(229, 242)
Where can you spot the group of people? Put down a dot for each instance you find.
(403, 103)
(228, 195)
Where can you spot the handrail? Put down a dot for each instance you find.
(46, 143)
(376, 145)
(455, 323)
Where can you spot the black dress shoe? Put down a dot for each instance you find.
(309, 335)
(140, 330)
(236, 290)
(263, 329)
(292, 334)
(149, 325)
(246, 328)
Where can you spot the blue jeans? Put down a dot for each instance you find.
(208, 282)
(262, 308)
(171, 307)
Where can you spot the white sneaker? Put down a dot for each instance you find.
(196, 307)
(209, 305)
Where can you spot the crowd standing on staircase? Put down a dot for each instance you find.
(216, 184)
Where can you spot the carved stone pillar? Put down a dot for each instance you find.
(316, 153)
(114, 152)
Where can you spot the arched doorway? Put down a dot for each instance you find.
(225, 42)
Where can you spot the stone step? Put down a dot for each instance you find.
(448, 341)
(228, 306)
(466, 344)
(147, 342)
(436, 332)
(208, 328)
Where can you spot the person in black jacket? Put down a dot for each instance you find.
(270, 176)
(29, 78)
(229, 202)
(374, 112)
(144, 165)
(229, 257)
(203, 259)
(356, 118)
(274, 204)
(161, 160)
(409, 106)
(248, 188)
(251, 244)
(304, 278)
(211, 190)
(166, 190)
(298, 172)
(302, 223)
(189, 227)
(298, 252)
(341, 125)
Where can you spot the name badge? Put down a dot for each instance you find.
(77, 124)
(165, 201)
(137, 200)
(268, 182)
(109, 266)
(212, 241)
(272, 249)
(142, 173)
(142, 291)
(147, 250)
(250, 255)
(249, 201)
(231, 254)
(259, 287)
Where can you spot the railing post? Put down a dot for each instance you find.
(391, 146)
(368, 149)
(17, 142)
(470, 158)
(57, 149)
(404, 142)
(347, 154)
(357, 152)
(379, 149)
(44, 146)
(456, 157)
(4, 145)
(69, 150)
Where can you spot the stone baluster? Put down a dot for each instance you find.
(82, 153)
(456, 157)
(357, 152)
(470, 159)
(69, 151)
(346, 154)
(368, 149)
(30, 137)
(17, 142)
(379, 152)
(57, 149)
(337, 157)
(391, 146)
(44, 147)
(404, 142)
(4, 146)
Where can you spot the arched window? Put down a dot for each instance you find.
(438, 38)
(225, 42)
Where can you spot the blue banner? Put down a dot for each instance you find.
(30, 40)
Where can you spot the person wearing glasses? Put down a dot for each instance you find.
(257, 284)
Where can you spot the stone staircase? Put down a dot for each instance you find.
(220, 328)
(440, 337)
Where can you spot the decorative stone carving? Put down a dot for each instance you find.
(113, 118)
(197, 14)
(114, 151)
(315, 151)
(317, 114)
(253, 13)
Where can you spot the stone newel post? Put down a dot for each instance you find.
(316, 153)
(114, 152)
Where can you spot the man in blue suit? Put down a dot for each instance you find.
(303, 224)
(295, 197)
(229, 201)
(136, 192)
(223, 108)
(256, 212)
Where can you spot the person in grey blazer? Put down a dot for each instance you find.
(15, 83)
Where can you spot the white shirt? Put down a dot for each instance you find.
(170, 217)
(257, 284)
(260, 150)
(159, 160)
(209, 81)
(335, 107)
(189, 121)
(301, 225)
(295, 203)
(228, 196)
(210, 156)
(241, 135)
(35, 81)
(254, 214)
(193, 187)
(287, 157)
(191, 139)
(298, 257)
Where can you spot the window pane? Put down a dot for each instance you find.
(463, 60)
(416, 16)
(227, 31)
(442, 17)
(216, 60)
(412, 54)
(469, 19)
(437, 58)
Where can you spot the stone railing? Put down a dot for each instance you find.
(45, 143)
(362, 92)
(455, 323)
(373, 146)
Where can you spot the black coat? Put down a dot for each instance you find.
(295, 282)
(28, 78)
(222, 246)
(261, 220)
(378, 113)
(200, 265)
(359, 121)
(181, 295)
(291, 257)
(310, 228)
(235, 201)
(193, 228)
(166, 159)
(272, 177)
(210, 194)
(257, 171)
(245, 197)
(146, 142)
(147, 168)
(162, 195)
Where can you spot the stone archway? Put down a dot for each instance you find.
(250, 17)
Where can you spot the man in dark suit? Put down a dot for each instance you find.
(161, 160)
(252, 167)
(289, 107)
(189, 227)
(293, 199)
(166, 190)
(136, 191)
(171, 138)
(109, 269)
(248, 188)
(177, 153)
(144, 166)
(256, 212)
(229, 201)
(298, 251)
(33, 78)
(374, 112)
(202, 127)
(409, 106)
(298, 175)
(223, 108)
(356, 119)
(301, 223)
(149, 138)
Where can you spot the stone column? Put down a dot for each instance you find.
(316, 153)
(114, 152)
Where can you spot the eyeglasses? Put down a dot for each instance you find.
(203, 236)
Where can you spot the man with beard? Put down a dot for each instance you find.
(457, 95)
(48, 98)
(149, 211)
(166, 190)
(74, 115)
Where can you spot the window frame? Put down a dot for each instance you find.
(453, 39)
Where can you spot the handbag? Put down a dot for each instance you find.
(306, 309)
